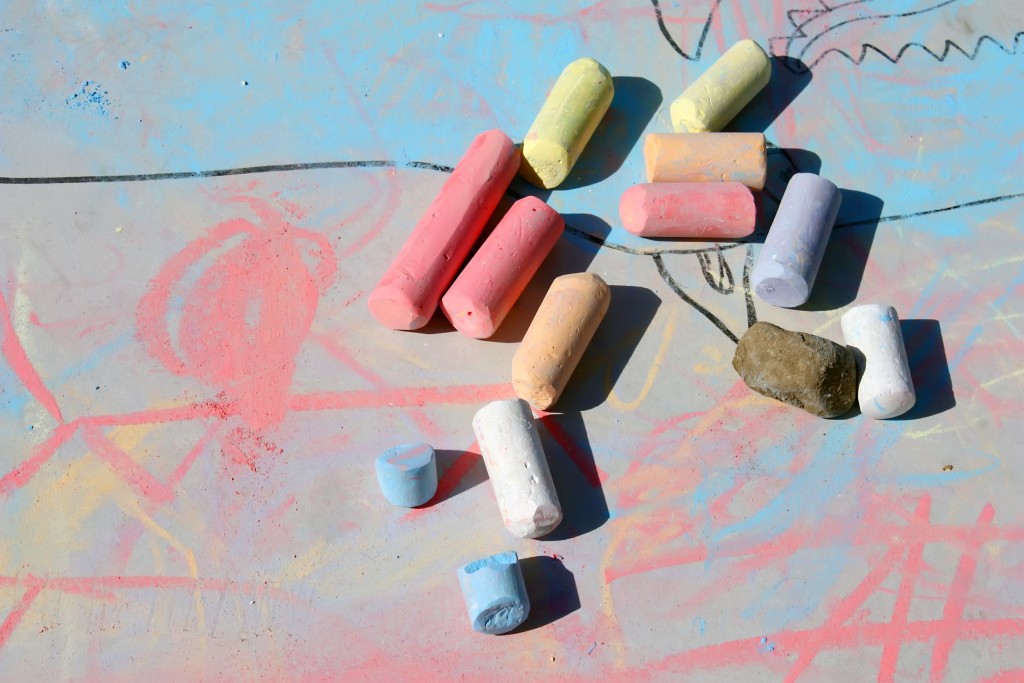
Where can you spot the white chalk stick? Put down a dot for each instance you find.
(517, 468)
(873, 333)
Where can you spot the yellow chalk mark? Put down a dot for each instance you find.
(313, 559)
(716, 366)
(659, 357)
(997, 380)
(132, 507)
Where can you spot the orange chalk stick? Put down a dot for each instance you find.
(706, 157)
(559, 334)
(695, 210)
(489, 285)
(408, 294)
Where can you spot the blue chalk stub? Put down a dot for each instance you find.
(408, 474)
(495, 593)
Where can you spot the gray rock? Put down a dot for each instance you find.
(809, 372)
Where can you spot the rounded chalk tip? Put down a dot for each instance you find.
(467, 316)
(782, 291)
(887, 406)
(392, 306)
(631, 209)
(544, 520)
(812, 182)
(686, 118)
(540, 395)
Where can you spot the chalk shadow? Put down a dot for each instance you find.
(630, 312)
(846, 255)
(779, 94)
(576, 477)
(635, 103)
(571, 254)
(475, 474)
(552, 590)
(929, 368)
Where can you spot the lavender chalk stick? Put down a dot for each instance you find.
(495, 593)
(792, 253)
(407, 474)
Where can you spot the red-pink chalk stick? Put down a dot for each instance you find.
(702, 210)
(407, 295)
(485, 291)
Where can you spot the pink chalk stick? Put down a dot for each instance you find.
(702, 210)
(407, 296)
(487, 288)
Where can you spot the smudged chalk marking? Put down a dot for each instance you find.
(125, 64)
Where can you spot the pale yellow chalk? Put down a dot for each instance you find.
(569, 116)
(714, 99)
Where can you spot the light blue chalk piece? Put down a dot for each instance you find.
(495, 593)
(408, 474)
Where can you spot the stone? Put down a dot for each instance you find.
(810, 372)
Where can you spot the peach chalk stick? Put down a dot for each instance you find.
(699, 210)
(706, 157)
(408, 294)
(489, 285)
(559, 334)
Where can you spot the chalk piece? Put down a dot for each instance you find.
(489, 285)
(495, 593)
(556, 339)
(714, 99)
(706, 158)
(408, 474)
(517, 468)
(788, 264)
(569, 116)
(873, 333)
(408, 294)
(809, 372)
(695, 210)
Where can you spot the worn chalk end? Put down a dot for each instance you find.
(392, 306)
(545, 163)
(687, 117)
(782, 291)
(466, 316)
(543, 521)
(495, 593)
(886, 406)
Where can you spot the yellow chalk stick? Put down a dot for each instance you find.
(714, 99)
(581, 96)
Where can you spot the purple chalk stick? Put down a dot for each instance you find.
(792, 252)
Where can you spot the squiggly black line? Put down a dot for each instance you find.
(748, 264)
(673, 43)
(798, 67)
(725, 284)
(675, 287)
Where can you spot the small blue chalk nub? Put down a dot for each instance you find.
(408, 474)
(495, 593)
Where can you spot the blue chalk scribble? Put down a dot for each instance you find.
(125, 64)
(90, 96)
(701, 623)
